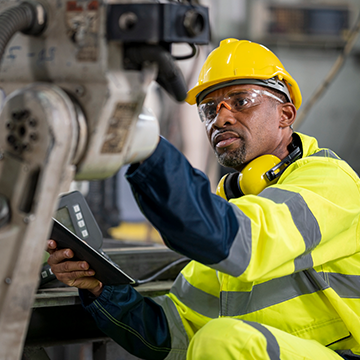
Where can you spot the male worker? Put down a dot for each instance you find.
(277, 271)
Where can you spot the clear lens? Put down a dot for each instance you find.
(236, 100)
(241, 100)
(207, 109)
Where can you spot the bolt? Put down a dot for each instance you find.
(128, 21)
(16, 146)
(16, 115)
(11, 139)
(79, 90)
(32, 122)
(7, 281)
(21, 114)
(26, 147)
(33, 136)
(10, 125)
(25, 114)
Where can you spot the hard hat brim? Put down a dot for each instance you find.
(200, 88)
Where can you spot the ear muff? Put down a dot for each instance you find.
(251, 180)
(256, 176)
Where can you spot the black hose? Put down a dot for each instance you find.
(162, 271)
(189, 56)
(19, 18)
(169, 77)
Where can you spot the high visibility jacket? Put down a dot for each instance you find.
(287, 257)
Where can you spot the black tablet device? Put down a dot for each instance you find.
(106, 271)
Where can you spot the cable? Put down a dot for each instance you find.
(24, 17)
(46, 275)
(169, 77)
(185, 57)
(331, 75)
(162, 271)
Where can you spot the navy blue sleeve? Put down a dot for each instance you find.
(135, 322)
(177, 200)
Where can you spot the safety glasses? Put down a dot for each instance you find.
(235, 100)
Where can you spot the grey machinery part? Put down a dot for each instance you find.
(74, 83)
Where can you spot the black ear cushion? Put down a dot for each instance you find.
(232, 187)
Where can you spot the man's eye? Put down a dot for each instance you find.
(240, 102)
(210, 111)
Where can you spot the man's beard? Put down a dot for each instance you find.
(233, 158)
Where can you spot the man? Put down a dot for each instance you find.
(276, 274)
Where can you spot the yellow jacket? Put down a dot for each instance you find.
(301, 270)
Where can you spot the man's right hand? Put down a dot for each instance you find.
(72, 273)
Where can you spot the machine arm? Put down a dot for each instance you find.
(72, 110)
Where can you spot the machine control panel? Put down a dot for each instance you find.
(74, 213)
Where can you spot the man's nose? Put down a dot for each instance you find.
(223, 117)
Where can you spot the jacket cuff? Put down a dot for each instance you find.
(87, 298)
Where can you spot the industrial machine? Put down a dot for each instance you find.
(73, 79)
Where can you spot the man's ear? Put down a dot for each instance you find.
(288, 115)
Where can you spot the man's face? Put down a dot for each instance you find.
(243, 126)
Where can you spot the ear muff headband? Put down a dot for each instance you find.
(274, 172)
(255, 176)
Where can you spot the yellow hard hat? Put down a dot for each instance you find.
(243, 62)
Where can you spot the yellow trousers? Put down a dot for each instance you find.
(232, 339)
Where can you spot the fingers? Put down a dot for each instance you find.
(51, 246)
(88, 283)
(75, 268)
(57, 256)
(80, 279)
(67, 271)
(72, 273)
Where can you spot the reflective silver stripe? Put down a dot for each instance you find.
(346, 286)
(317, 278)
(240, 252)
(179, 337)
(303, 262)
(278, 290)
(303, 219)
(196, 299)
(272, 292)
(326, 153)
(272, 346)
